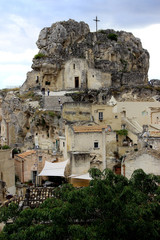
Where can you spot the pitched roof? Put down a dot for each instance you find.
(95, 128)
(142, 151)
(26, 154)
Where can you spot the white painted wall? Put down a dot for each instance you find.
(148, 163)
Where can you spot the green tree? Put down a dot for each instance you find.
(112, 207)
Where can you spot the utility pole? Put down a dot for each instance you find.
(96, 20)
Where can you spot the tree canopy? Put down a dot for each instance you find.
(111, 207)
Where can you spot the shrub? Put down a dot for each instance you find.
(39, 55)
(112, 36)
(5, 147)
(122, 132)
(102, 31)
(51, 114)
(30, 95)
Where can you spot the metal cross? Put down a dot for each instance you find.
(96, 20)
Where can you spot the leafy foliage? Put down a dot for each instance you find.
(112, 207)
(30, 95)
(102, 31)
(122, 132)
(5, 147)
(112, 36)
(39, 55)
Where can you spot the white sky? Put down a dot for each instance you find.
(22, 20)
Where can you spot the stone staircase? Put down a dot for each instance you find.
(133, 125)
(52, 103)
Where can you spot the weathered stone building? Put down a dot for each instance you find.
(146, 159)
(30, 163)
(7, 171)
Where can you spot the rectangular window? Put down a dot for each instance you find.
(96, 145)
(47, 83)
(40, 158)
(100, 115)
(34, 176)
(76, 82)
(63, 144)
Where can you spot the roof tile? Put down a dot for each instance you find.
(26, 154)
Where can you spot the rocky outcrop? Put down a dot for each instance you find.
(155, 82)
(22, 117)
(116, 53)
(70, 56)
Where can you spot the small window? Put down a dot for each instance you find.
(74, 66)
(100, 115)
(157, 120)
(123, 126)
(63, 144)
(96, 145)
(103, 97)
(76, 82)
(40, 158)
(116, 117)
(47, 83)
(37, 79)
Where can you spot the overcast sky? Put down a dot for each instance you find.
(22, 20)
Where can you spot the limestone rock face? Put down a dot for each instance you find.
(155, 82)
(21, 118)
(116, 56)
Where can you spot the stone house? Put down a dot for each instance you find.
(98, 113)
(75, 74)
(137, 112)
(29, 164)
(153, 140)
(7, 171)
(105, 114)
(155, 116)
(146, 159)
(89, 146)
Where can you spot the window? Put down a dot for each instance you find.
(37, 79)
(34, 176)
(123, 113)
(40, 158)
(116, 117)
(100, 115)
(47, 83)
(74, 66)
(76, 82)
(63, 144)
(157, 120)
(96, 145)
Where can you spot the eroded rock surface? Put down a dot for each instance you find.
(116, 56)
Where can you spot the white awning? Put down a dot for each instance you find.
(84, 176)
(54, 169)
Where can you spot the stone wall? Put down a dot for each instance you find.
(149, 162)
(25, 167)
(7, 170)
(74, 112)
